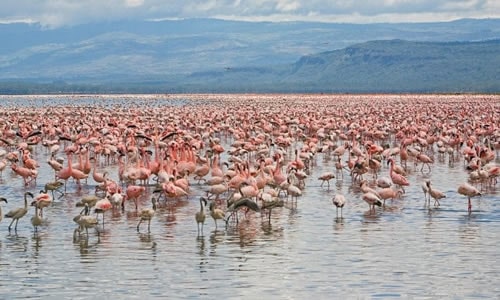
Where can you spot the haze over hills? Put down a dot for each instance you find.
(207, 55)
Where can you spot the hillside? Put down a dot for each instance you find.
(206, 55)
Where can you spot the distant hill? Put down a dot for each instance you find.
(205, 55)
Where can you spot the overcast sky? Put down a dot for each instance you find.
(56, 13)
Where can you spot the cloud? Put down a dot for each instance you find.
(134, 3)
(54, 13)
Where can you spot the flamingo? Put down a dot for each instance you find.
(339, 201)
(425, 160)
(201, 171)
(27, 174)
(41, 201)
(200, 215)
(436, 194)
(133, 192)
(327, 176)
(97, 176)
(365, 188)
(217, 190)
(84, 220)
(372, 200)
(116, 199)
(76, 173)
(54, 186)
(18, 213)
(216, 213)
(65, 173)
(89, 200)
(37, 219)
(269, 202)
(388, 193)
(425, 189)
(384, 182)
(101, 206)
(147, 214)
(469, 191)
(396, 178)
(293, 190)
(339, 167)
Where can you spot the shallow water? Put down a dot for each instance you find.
(405, 250)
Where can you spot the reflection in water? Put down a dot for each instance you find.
(36, 243)
(17, 242)
(146, 239)
(201, 245)
(243, 233)
(267, 227)
(202, 252)
(216, 237)
(338, 224)
(148, 243)
(87, 246)
(469, 232)
(371, 216)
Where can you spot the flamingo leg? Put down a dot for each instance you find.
(10, 225)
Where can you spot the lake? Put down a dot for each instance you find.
(404, 250)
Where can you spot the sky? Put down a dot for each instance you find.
(59, 13)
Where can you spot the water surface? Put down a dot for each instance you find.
(405, 250)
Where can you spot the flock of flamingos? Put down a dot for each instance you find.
(249, 153)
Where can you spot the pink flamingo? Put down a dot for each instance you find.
(388, 193)
(101, 206)
(278, 176)
(75, 173)
(436, 194)
(396, 178)
(133, 192)
(326, 176)
(469, 191)
(216, 170)
(202, 170)
(27, 174)
(28, 161)
(41, 201)
(425, 160)
(65, 173)
(249, 188)
(217, 190)
(55, 165)
(98, 177)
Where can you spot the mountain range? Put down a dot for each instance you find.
(209, 55)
